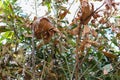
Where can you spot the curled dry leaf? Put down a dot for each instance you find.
(86, 11)
(43, 29)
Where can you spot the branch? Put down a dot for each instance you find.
(33, 54)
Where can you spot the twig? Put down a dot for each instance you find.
(36, 7)
(78, 42)
(84, 72)
(71, 5)
(33, 54)
(33, 45)
(77, 48)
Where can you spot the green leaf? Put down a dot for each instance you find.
(3, 29)
(63, 8)
(72, 42)
(114, 40)
(8, 34)
(117, 17)
(48, 4)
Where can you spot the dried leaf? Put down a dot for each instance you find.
(44, 29)
(86, 30)
(74, 31)
(86, 11)
(102, 21)
(82, 47)
(96, 15)
(84, 44)
(109, 55)
(94, 33)
(105, 71)
(93, 43)
(62, 15)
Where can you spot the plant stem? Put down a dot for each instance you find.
(33, 54)
(36, 7)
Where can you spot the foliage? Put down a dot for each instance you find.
(51, 48)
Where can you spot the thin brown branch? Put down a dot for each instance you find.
(77, 53)
(33, 54)
(78, 40)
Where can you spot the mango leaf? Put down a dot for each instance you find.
(8, 8)
(103, 32)
(63, 8)
(3, 29)
(114, 40)
(8, 34)
(99, 54)
(118, 36)
(48, 4)
(72, 42)
(117, 17)
(1, 7)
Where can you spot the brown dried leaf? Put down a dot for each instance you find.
(86, 11)
(109, 55)
(82, 46)
(96, 15)
(86, 44)
(62, 15)
(94, 33)
(74, 31)
(93, 43)
(86, 30)
(102, 21)
(44, 29)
